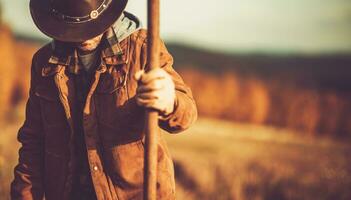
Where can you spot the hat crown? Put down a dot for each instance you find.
(76, 8)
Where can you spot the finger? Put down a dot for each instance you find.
(153, 75)
(147, 96)
(154, 85)
(145, 102)
(143, 89)
(151, 104)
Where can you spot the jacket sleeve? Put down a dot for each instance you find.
(28, 178)
(185, 111)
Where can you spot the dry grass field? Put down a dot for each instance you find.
(217, 160)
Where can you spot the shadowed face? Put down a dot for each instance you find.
(91, 44)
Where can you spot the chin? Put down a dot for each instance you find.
(87, 48)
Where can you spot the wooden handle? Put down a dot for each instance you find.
(151, 118)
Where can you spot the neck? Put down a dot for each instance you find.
(85, 52)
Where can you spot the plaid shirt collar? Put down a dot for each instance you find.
(64, 54)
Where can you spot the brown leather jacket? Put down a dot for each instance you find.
(112, 122)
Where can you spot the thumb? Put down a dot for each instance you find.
(138, 75)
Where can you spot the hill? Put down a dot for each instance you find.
(309, 93)
(317, 71)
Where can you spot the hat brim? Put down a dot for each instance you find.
(74, 32)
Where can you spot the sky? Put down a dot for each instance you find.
(278, 26)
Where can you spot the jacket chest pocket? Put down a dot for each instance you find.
(112, 86)
(54, 120)
(118, 113)
(52, 109)
(113, 94)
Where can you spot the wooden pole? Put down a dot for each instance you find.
(151, 120)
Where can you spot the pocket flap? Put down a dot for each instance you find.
(46, 93)
(111, 81)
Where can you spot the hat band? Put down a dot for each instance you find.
(93, 14)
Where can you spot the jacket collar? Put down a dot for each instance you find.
(64, 54)
(113, 50)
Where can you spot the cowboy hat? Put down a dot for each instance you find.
(75, 20)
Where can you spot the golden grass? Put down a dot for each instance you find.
(218, 160)
(222, 160)
(9, 149)
(251, 99)
(8, 157)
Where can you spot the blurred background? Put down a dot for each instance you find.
(272, 82)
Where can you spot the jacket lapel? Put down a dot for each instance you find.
(66, 90)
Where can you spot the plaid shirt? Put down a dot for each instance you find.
(65, 53)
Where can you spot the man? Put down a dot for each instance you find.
(83, 134)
